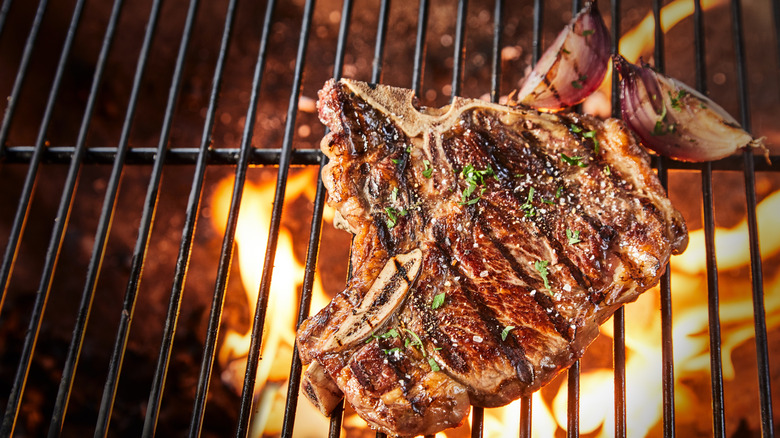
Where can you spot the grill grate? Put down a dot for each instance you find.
(164, 158)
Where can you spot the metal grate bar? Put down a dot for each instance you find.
(759, 317)
(101, 239)
(312, 252)
(460, 50)
(22, 209)
(57, 236)
(117, 357)
(379, 47)
(270, 157)
(708, 218)
(419, 46)
(276, 215)
(4, 14)
(21, 73)
(228, 242)
(667, 346)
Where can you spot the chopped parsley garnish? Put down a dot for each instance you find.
(578, 83)
(428, 169)
(575, 128)
(541, 268)
(474, 178)
(415, 341)
(392, 350)
(573, 236)
(606, 170)
(558, 192)
(548, 201)
(573, 161)
(505, 332)
(433, 364)
(391, 216)
(565, 52)
(395, 160)
(394, 194)
(392, 333)
(661, 128)
(676, 100)
(588, 32)
(528, 207)
(409, 149)
(592, 135)
(438, 300)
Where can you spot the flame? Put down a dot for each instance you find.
(252, 232)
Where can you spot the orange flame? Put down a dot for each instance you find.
(277, 344)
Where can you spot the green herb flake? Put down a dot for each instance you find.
(433, 364)
(391, 218)
(573, 161)
(573, 236)
(592, 135)
(438, 300)
(541, 268)
(578, 84)
(392, 350)
(606, 170)
(415, 341)
(677, 100)
(474, 178)
(588, 32)
(394, 194)
(528, 207)
(575, 128)
(548, 201)
(409, 149)
(558, 192)
(395, 160)
(392, 333)
(564, 51)
(505, 332)
(428, 170)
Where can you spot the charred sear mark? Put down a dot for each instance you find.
(556, 319)
(513, 351)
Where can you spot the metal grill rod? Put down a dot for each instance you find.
(58, 232)
(228, 242)
(4, 14)
(667, 346)
(759, 317)
(188, 231)
(708, 219)
(312, 252)
(247, 395)
(101, 239)
(22, 209)
(21, 73)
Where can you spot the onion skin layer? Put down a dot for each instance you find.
(572, 67)
(675, 120)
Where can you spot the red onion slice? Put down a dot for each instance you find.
(675, 120)
(572, 68)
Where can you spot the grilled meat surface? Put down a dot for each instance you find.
(490, 243)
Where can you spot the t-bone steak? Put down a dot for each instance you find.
(489, 244)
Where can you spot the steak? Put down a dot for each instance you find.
(490, 242)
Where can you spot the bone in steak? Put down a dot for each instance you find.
(490, 243)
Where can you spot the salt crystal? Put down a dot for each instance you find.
(477, 338)
(484, 274)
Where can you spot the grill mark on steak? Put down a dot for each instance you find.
(509, 347)
(557, 320)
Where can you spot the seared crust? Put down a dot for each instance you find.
(522, 300)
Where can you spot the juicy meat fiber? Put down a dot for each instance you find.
(490, 243)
